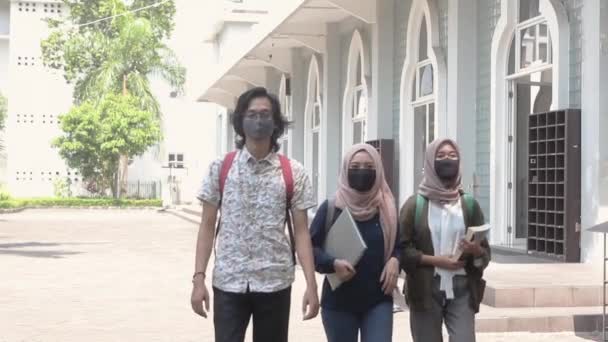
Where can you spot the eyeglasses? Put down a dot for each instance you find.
(261, 115)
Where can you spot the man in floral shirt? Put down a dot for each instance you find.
(254, 266)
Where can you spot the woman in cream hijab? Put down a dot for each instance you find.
(363, 303)
(434, 222)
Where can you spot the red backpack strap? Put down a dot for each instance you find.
(224, 169)
(226, 165)
(287, 178)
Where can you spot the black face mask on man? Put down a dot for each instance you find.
(362, 180)
(258, 128)
(447, 169)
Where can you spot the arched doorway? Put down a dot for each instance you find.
(529, 75)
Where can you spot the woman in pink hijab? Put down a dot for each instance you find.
(363, 303)
(441, 288)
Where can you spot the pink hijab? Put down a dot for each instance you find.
(432, 187)
(364, 206)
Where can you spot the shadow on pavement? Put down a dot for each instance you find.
(39, 254)
(17, 249)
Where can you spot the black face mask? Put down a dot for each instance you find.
(258, 128)
(362, 180)
(447, 169)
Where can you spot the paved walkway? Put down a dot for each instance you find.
(114, 275)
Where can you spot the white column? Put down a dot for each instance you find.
(380, 121)
(330, 122)
(462, 83)
(594, 140)
(298, 100)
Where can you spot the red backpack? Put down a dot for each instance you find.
(289, 186)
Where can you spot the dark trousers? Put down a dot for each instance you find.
(270, 311)
(375, 325)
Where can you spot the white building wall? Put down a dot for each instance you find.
(229, 34)
(402, 12)
(189, 127)
(594, 107)
(574, 9)
(382, 56)
(4, 57)
(36, 97)
(488, 13)
(461, 49)
(443, 9)
(4, 62)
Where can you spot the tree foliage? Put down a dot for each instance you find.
(117, 55)
(3, 114)
(3, 111)
(96, 136)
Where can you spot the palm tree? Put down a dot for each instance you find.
(133, 56)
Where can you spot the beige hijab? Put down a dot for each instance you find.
(432, 187)
(364, 206)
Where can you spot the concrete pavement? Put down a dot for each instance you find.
(118, 275)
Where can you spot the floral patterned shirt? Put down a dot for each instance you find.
(252, 249)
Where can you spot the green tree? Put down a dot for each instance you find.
(3, 114)
(96, 136)
(115, 56)
(95, 52)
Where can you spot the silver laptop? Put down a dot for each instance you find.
(344, 242)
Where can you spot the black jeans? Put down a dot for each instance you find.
(270, 311)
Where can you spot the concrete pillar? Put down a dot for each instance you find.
(380, 121)
(273, 80)
(462, 83)
(331, 120)
(594, 141)
(230, 134)
(299, 79)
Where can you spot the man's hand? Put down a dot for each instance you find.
(200, 296)
(447, 263)
(310, 304)
(344, 270)
(390, 275)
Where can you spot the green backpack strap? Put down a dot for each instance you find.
(420, 203)
(469, 203)
(468, 199)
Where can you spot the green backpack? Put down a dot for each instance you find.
(421, 201)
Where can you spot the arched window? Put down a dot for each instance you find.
(423, 99)
(532, 39)
(313, 112)
(423, 94)
(356, 95)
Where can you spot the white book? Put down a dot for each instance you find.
(344, 242)
(477, 233)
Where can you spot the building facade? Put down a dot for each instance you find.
(414, 70)
(37, 96)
